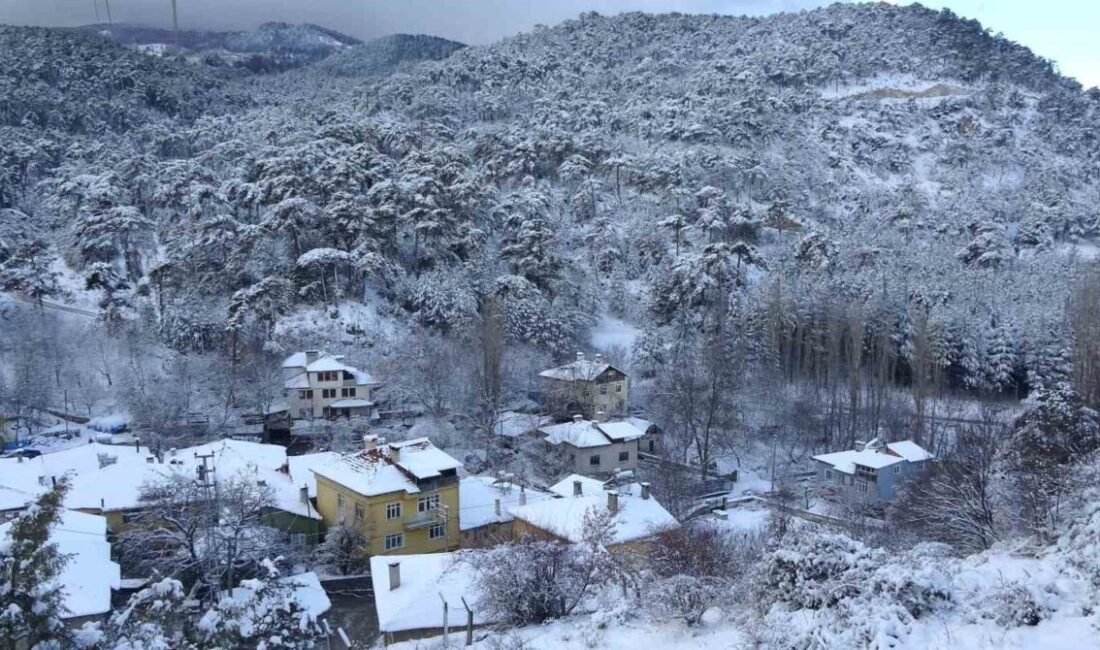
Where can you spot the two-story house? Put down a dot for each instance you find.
(872, 472)
(595, 448)
(403, 496)
(589, 387)
(319, 385)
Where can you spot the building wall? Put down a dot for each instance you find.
(374, 524)
(886, 486)
(317, 403)
(609, 458)
(564, 399)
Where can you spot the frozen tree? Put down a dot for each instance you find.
(27, 270)
(31, 598)
(344, 549)
(533, 581)
(115, 305)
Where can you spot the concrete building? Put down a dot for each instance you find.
(589, 387)
(320, 385)
(595, 448)
(403, 496)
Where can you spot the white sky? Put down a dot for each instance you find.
(1062, 30)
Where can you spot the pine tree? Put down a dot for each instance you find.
(31, 598)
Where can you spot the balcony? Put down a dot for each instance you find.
(426, 519)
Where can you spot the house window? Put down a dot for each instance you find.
(828, 475)
(299, 540)
(393, 510)
(594, 459)
(359, 511)
(897, 468)
(436, 531)
(425, 504)
(862, 486)
(302, 413)
(305, 394)
(347, 392)
(131, 517)
(619, 388)
(328, 393)
(624, 456)
(396, 540)
(651, 445)
(340, 503)
(603, 390)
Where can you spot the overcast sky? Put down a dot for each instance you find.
(1062, 30)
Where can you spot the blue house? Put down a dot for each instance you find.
(874, 470)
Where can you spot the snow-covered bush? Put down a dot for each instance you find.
(1012, 604)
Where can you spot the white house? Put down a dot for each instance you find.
(589, 387)
(317, 384)
(487, 503)
(417, 596)
(874, 470)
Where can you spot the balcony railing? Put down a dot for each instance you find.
(425, 519)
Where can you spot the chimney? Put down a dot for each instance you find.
(395, 575)
(303, 494)
(600, 416)
(311, 356)
(370, 442)
(580, 356)
(53, 481)
(613, 501)
(137, 446)
(172, 452)
(102, 504)
(497, 504)
(20, 457)
(395, 454)
(599, 358)
(577, 417)
(577, 489)
(522, 496)
(645, 491)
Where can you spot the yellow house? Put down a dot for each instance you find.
(403, 496)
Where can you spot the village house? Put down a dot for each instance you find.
(872, 472)
(597, 448)
(403, 496)
(418, 596)
(636, 516)
(320, 385)
(487, 503)
(589, 387)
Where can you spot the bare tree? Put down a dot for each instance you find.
(958, 503)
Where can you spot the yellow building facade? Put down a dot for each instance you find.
(403, 497)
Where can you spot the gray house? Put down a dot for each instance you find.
(874, 470)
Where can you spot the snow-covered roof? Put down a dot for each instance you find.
(118, 485)
(374, 471)
(641, 424)
(363, 378)
(296, 360)
(306, 590)
(26, 478)
(351, 403)
(298, 381)
(479, 494)
(909, 450)
(579, 433)
(301, 468)
(589, 485)
(326, 364)
(579, 370)
(425, 579)
(89, 575)
(636, 518)
(591, 433)
(875, 457)
(621, 431)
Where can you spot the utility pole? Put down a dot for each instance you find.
(107, 3)
(210, 497)
(95, 3)
(175, 23)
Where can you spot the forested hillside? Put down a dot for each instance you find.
(895, 181)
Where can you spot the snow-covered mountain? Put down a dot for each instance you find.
(383, 55)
